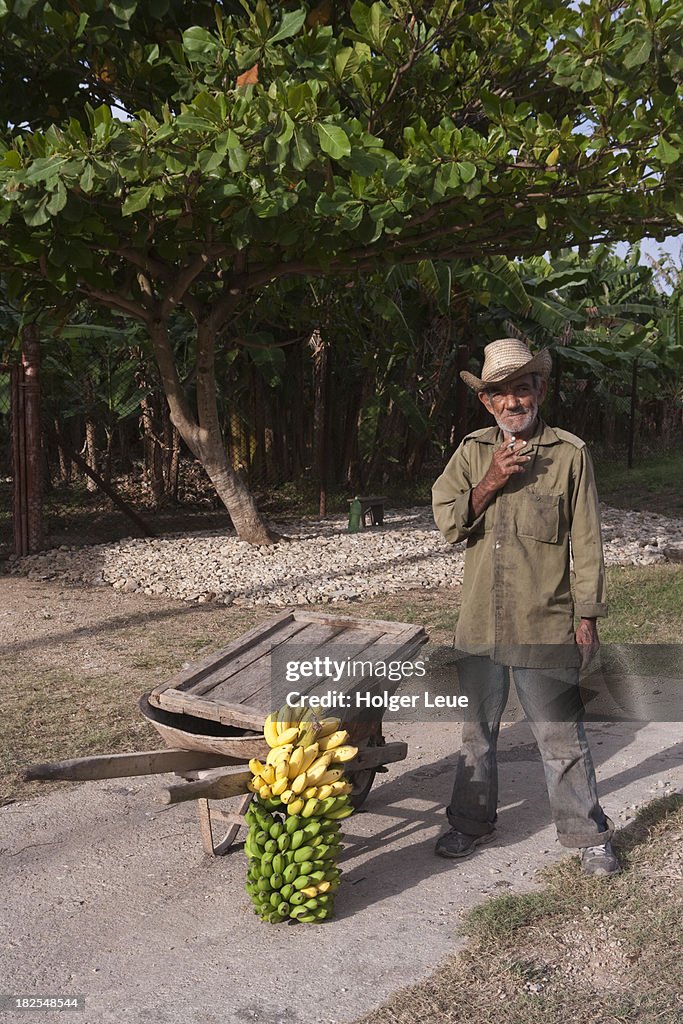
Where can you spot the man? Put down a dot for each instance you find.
(523, 494)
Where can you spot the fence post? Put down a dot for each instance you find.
(32, 468)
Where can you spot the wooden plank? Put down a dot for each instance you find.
(371, 757)
(225, 672)
(385, 624)
(211, 662)
(230, 784)
(257, 679)
(241, 716)
(220, 785)
(267, 694)
(118, 766)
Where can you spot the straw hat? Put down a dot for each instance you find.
(505, 360)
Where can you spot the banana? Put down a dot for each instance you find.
(310, 807)
(290, 873)
(295, 762)
(286, 718)
(287, 796)
(277, 754)
(265, 792)
(279, 787)
(304, 853)
(298, 839)
(282, 769)
(290, 735)
(340, 815)
(335, 739)
(268, 774)
(310, 754)
(341, 788)
(272, 736)
(256, 766)
(329, 726)
(330, 776)
(346, 753)
(309, 792)
(295, 806)
(309, 891)
(323, 887)
(323, 791)
(298, 785)
(292, 825)
(307, 735)
(319, 767)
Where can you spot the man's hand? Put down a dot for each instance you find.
(505, 463)
(586, 636)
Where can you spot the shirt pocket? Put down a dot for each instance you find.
(538, 517)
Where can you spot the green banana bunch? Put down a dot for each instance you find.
(292, 872)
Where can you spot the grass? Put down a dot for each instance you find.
(645, 605)
(589, 951)
(652, 485)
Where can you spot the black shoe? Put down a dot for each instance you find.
(458, 845)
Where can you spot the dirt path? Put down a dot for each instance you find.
(108, 894)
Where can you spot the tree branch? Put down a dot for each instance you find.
(119, 302)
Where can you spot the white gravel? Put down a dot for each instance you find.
(320, 562)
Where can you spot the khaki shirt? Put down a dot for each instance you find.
(517, 604)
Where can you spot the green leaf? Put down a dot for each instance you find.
(238, 158)
(58, 200)
(12, 160)
(639, 54)
(197, 40)
(289, 26)
(591, 78)
(333, 140)
(287, 131)
(467, 171)
(87, 179)
(542, 220)
(136, 200)
(23, 7)
(301, 152)
(665, 152)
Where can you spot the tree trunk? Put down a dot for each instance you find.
(64, 460)
(202, 435)
(154, 472)
(90, 451)
(320, 440)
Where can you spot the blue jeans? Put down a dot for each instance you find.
(552, 702)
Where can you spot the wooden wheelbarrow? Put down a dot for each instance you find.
(211, 716)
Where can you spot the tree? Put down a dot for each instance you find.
(297, 141)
